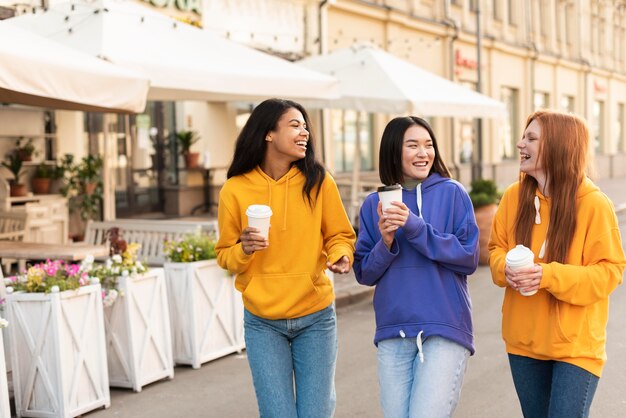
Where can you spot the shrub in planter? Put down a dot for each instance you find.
(206, 310)
(41, 179)
(14, 164)
(57, 340)
(186, 139)
(136, 317)
(484, 196)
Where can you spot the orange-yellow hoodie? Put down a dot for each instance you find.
(566, 320)
(286, 280)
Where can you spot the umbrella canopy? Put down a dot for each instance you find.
(39, 72)
(373, 80)
(182, 62)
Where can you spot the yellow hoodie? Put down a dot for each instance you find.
(566, 320)
(286, 280)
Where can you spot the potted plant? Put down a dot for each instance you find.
(88, 173)
(26, 150)
(484, 196)
(14, 164)
(58, 173)
(186, 139)
(206, 310)
(57, 336)
(41, 179)
(136, 311)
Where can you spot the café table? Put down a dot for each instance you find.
(20, 250)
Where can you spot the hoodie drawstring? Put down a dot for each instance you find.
(542, 251)
(418, 197)
(419, 342)
(286, 200)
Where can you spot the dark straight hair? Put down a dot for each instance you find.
(251, 145)
(390, 155)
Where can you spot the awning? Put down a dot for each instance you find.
(182, 62)
(375, 81)
(36, 71)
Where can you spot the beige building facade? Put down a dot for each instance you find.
(564, 54)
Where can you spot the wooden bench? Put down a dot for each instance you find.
(13, 225)
(150, 234)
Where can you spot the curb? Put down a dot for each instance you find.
(349, 297)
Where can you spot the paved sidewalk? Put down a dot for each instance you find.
(348, 291)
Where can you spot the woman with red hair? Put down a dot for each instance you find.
(556, 338)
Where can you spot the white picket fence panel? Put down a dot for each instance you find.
(206, 312)
(58, 352)
(5, 406)
(139, 344)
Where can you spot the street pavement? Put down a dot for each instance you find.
(223, 388)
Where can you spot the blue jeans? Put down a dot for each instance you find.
(303, 350)
(553, 389)
(410, 388)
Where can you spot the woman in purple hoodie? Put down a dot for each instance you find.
(418, 254)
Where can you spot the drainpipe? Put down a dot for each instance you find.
(477, 169)
(451, 23)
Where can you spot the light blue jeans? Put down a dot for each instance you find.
(412, 389)
(287, 351)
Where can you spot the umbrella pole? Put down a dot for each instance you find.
(356, 171)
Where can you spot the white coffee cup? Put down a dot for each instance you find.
(259, 217)
(519, 257)
(388, 194)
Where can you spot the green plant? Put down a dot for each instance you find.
(27, 150)
(192, 247)
(483, 192)
(88, 170)
(42, 277)
(186, 139)
(123, 262)
(43, 171)
(14, 164)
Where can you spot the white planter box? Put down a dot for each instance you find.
(139, 342)
(58, 352)
(5, 407)
(206, 312)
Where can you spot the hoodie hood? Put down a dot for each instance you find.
(259, 177)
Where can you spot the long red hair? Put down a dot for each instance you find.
(563, 153)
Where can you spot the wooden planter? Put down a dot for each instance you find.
(138, 339)
(5, 407)
(484, 219)
(58, 352)
(206, 312)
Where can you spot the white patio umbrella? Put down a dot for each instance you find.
(182, 62)
(373, 80)
(39, 72)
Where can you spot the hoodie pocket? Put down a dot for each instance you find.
(570, 321)
(280, 295)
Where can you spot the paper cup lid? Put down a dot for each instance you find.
(259, 211)
(389, 188)
(519, 255)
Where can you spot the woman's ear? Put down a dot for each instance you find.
(268, 138)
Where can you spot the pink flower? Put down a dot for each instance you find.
(72, 269)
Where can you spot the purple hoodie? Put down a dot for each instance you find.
(421, 284)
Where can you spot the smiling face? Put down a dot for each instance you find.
(289, 140)
(528, 147)
(418, 153)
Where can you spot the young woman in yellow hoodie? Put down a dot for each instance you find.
(556, 338)
(289, 318)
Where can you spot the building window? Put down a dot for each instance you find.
(344, 125)
(597, 126)
(619, 144)
(567, 103)
(512, 12)
(497, 9)
(510, 97)
(541, 100)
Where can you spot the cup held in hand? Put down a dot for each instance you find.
(518, 257)
(259, 217)
(388, 194)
